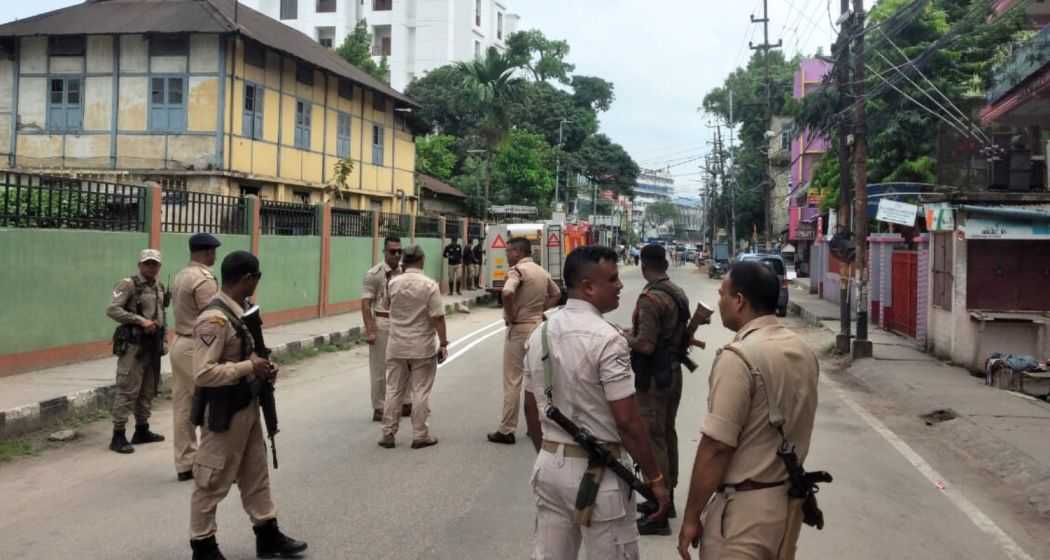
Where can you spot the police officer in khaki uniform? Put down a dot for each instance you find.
(138, 305)
(193, 289)
(737, 462)
(375, 312)
(418, 343)
(232, 447)
(658, 340)
(593, 385)
(527, 293)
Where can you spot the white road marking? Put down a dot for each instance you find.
(468, 336)
(978, 517)
(470, 346)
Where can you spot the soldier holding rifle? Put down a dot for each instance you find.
(579, 366)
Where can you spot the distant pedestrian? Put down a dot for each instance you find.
(469, 274)
(479, 261)
(192, 291)
(528, 292)
(375, 313)
(454, 255)
(138, 305)
(418, 343)
(763, 397)
(232, 448)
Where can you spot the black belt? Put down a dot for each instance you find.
(750, 485)
(382, 314)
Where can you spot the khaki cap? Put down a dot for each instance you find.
(149, 255)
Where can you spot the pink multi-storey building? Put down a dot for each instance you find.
(807, 148)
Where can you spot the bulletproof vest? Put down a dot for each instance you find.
(221, 403)
(247, 342)
(136, 298)
(659, 366)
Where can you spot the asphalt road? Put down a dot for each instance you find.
(467, 498)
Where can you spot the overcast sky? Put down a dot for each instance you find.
(663, 57)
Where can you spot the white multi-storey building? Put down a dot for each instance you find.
(416, 36)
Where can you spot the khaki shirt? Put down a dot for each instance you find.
(531, 286)
(738, 408)
(377, 286)
(217, 348)
(152, 300)
(415, 300)
(591, 367)
(193, 288)
(656, 315)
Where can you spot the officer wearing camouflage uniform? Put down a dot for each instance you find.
(193, 289)
(224, 365)
(659, 327)
(138, 305)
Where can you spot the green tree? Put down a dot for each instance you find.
(608, 164)
(446, 107)
(523, 170)
(357, 50)
(491, 82)
(593, 92)
(660, 213)
(541, 108)
(436, 155)
(544, 58)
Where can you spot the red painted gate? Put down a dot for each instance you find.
(904, 315)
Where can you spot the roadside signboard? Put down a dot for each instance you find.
(893, 212)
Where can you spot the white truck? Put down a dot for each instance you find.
(548, 247)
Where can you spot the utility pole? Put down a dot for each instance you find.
(732, 181)
(765, 47)
(862, 347)
(842, 50)
(557, 165)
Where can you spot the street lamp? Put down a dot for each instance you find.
(485, 206)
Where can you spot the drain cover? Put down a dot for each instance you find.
(938, 416)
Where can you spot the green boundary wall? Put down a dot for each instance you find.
(58, 284)
(432, 249)
(291, 268)
(350, 259)
(175, 250)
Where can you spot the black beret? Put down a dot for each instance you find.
(654, 252)
(238, 264)
(202, 241)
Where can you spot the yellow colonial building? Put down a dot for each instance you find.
(203, 95)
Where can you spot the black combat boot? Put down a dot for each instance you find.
(143, 435)
(119, 443)
(270, 542)
(647, 526)
(206, 549)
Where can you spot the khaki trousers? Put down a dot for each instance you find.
(473, 271)
(405, 378)
(136, 388)
(513, 371)
(745, 525)
(185, 433)
(455, 276)
(377, 362)
(613, 533)
(659, 408)
(236, 455)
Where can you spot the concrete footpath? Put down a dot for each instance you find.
(39, 399)
(1001, 432)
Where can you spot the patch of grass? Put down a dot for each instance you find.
(15, 448)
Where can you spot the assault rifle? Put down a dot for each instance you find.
(599, 453)
(803, 485)
(263, 390)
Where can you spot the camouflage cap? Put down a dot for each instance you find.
(149, 255)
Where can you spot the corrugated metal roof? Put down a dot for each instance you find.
(101, 17)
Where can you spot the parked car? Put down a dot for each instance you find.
(775, 262)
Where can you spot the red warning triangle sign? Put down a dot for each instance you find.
(553, 240)
(498, 243)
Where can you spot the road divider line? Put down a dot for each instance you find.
(470, 346)
(468, 336)
(978, 517)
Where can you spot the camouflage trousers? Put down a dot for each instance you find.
(137, 381)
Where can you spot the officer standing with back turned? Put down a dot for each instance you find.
(658, 342)
(138, 305)
(232, 450)
(193, 289)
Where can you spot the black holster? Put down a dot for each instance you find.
(657, 367)
(125, 336)
(219, 404)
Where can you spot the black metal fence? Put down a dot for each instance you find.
(453, 228)
(394, 224)
(287, 218)
(41, 201)
(475, 231)
(192, 212)
(351, 223)
(427, 226)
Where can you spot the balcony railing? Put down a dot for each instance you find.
(1025, 62)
